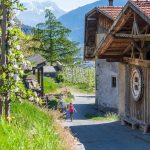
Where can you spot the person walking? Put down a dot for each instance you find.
(71, 111)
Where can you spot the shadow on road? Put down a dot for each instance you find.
(86, 96)
(84, 109)
(111, 136)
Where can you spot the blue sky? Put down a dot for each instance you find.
(68, 5)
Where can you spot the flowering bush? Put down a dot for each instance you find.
(14, 64)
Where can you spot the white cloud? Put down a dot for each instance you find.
(66, 5)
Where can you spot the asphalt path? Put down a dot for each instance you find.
(102, 135)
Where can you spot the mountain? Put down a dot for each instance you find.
(26, 29)
(74, 19)
(35, 12)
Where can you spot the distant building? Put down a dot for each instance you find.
(50, 71)
(32, 82)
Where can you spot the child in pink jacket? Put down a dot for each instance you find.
(71, 111)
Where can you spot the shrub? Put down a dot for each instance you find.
(60, 78)
(52, 104)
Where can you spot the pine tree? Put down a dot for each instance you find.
(53, 42)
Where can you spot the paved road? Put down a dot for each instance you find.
(103, 135)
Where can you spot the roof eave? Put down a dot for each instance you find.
(134, 7)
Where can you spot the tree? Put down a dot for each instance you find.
(53, 42)
(13, 62)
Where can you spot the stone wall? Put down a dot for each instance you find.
(107, 97)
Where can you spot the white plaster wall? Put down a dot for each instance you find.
(106, 95)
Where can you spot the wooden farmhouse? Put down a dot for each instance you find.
(97, 23)
(122, 55)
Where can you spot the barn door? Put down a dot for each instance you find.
(134, 90)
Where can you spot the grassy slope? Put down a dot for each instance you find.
(31, 129)
(50, 85)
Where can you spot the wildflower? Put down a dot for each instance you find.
(9, 119)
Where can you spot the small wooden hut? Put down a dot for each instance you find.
(38, 63)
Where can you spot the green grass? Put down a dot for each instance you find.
(106, 117)
(50, 85)
(31, 129)
(80, 88)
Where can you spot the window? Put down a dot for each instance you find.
(114, 82)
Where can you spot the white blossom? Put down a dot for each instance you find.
(16, 77)
(35, 94)
(31, 99)
(21, 56)
(16, 89)
(18, 47)
(28, 62)
(16, 67)
(9, 28)
(12, 22)
(24, 66)
(37, 100)
(15, 38)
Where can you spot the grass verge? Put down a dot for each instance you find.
(107, 117)
(32, 129)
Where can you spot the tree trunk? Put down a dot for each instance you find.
(7, 106)
(1, 106)
(3, 25)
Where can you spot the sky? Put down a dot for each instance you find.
(68, 5)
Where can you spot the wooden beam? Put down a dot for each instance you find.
(109, 56)
(38, 76)
(114, 59)
(91, 19)
(137, 62)
(145, 37)
(113, 53)
(127, 49)
(42, 82)
(123, 21)
(104, 46)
